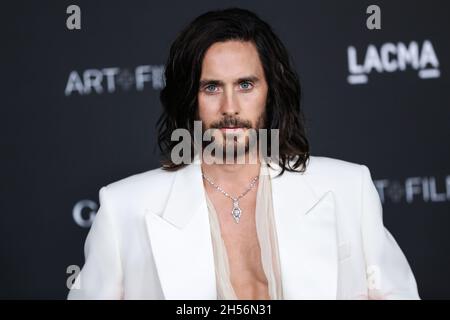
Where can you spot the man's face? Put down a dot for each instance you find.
(233, 92)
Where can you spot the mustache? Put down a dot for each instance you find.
(231, 122)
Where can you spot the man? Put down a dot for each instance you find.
(293, 226)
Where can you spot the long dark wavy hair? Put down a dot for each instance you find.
(183, 71)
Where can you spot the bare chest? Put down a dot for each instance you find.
(242, 246)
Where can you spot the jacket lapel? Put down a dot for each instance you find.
(307, 237)
(181, 241)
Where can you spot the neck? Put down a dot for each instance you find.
(235, 173)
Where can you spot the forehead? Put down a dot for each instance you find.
(231, 60)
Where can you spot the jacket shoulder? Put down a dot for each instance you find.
(148, 178)
(332, 166)
(139, 190)
(335, 174)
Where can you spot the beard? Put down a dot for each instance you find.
(236, 144)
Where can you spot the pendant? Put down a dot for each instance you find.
(236, 212)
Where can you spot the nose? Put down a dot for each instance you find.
(229, 103)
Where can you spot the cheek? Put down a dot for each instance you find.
(207, 108)
(263, 97)
(255, 102)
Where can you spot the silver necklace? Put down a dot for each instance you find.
(236, 211)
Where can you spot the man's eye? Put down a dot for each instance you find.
(246, 85)
(210, 88)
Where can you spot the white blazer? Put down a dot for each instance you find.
(151, 238)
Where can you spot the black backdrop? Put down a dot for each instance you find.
(78, 111)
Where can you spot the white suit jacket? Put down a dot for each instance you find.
(151, 238)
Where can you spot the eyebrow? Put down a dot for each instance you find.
(250, 78)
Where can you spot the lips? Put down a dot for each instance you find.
(231, 128)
